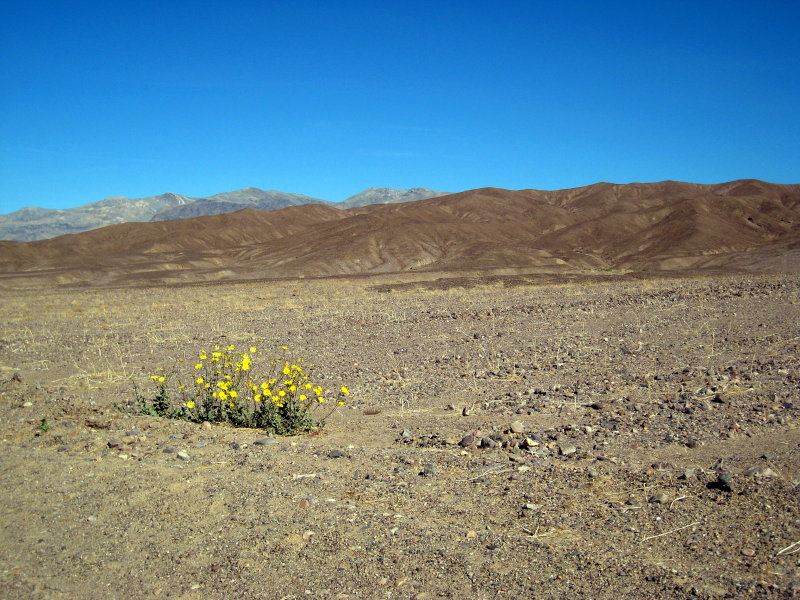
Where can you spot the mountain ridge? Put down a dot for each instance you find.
(623, 227)
(34, 223)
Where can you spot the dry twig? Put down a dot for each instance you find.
(790, 549)
(652, 537)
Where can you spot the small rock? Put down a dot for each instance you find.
(236, 446)
(206, 425)
(114, 443)
(488, 442)
(123, 456)
(748, 551)
(337, 454)
(758, 471)
(265, 441)
(27, 404)
(518, 427)
(183, 455)
(469, 441)
(567, 450)
(659, 498)
(405, 434)
(471, 534)
(724, 482)
(465, 412)
(69, 424)
(429, 470)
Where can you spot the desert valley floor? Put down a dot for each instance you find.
(603, 438)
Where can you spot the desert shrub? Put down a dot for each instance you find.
(227, 386)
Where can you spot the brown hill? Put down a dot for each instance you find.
(745, 224)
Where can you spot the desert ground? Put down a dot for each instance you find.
(609, 437)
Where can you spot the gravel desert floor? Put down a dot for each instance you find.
(625, 438)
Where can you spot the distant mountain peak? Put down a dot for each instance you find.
(31, 223)
(382, 195)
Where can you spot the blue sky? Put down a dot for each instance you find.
(135, 99)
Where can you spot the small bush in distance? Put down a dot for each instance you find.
(225, 386)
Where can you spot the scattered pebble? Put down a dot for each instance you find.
(337, 454)
(183, 455)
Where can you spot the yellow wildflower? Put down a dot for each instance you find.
(190, 404)
(257, 398)
(198, 366)
(345, 391)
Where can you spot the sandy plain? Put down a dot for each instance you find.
(657, 451)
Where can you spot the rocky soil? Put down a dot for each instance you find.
(615, 439)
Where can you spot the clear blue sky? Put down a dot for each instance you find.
(121, 98)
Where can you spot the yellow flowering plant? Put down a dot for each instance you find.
(225, 386)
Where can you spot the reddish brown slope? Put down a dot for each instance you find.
(635, 226)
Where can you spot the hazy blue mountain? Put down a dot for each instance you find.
(379, 195)
(31, 223)
(232, 201)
